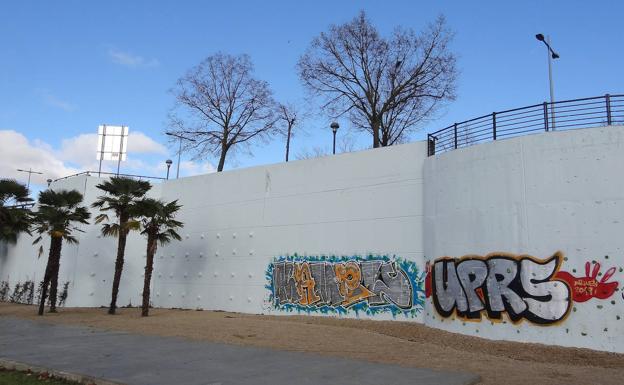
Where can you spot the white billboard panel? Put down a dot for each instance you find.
(112, 142)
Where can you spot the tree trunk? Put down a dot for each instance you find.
(384, 138)
(152, 244)
(54, 273)
(119, 262)
(54, 244)
(222, 159)
(288, 142)
(375, 126)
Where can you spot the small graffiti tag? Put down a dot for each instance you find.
(340, 284)
(588, 287)
(523, 287)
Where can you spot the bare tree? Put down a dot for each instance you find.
(346, 143)
(314, 152)
(221, 106)
(289, 116)
(386, 86)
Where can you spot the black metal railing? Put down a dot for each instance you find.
(97, 173)
(578, 113)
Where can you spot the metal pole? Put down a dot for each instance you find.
(29, 174)
(179, 153)
(120, 149)
(494, 125)
(608, 101)
(102, 149)
(552, 87)
(334, 142)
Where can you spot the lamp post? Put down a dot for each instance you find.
(180, 148)
(334, 126)
(49, 182)
(168, 162)
(30, 172)
(551, 55)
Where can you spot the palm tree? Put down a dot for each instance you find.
(159, 225)
(14, 216)
(122, 194)
(55, 216)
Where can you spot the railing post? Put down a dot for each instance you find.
(430, 145)
(455, 133)
(494, 125)
(608, 101)
(546, 116)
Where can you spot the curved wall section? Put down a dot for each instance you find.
(525, 239)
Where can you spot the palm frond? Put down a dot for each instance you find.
(110, 229)
(100, 218)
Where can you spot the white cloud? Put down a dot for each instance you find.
(131, 60)
(140, 143)
(16, 151)
(78, 153)
(81, 150)
(188, 167)
(54, 101)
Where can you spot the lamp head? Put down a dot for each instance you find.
(168, 162)
(334, 126)
(555, 55)
(539, 37)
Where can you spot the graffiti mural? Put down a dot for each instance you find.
(588, 287)
(522, 287)
(330, 284)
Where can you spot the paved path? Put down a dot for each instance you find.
(150, 360)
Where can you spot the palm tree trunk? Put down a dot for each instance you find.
(152, 244)
(54, 273)
(119, 263)
(54, 244)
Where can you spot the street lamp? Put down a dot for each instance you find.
(551, 55)
(49, 182)
(180, 148)
(168, 162)
(334, 126)
(30, 172)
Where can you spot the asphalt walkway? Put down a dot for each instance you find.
(151, 360)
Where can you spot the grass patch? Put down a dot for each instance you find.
(13, 377)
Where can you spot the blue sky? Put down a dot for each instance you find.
(68, 66)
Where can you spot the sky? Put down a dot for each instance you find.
(68, 66)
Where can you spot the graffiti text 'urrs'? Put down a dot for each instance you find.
(523, 287)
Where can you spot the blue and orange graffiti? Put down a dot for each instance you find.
(331, 284)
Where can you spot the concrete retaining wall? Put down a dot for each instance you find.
(491, 240)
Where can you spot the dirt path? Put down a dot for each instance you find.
(400, 343)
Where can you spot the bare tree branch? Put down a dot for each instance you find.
(289, 120)
(222, 107)
(387, 86)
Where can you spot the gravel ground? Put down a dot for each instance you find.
(402, 343)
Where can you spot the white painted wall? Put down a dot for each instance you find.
(535, 195)
(529, 195)
(236, 222)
